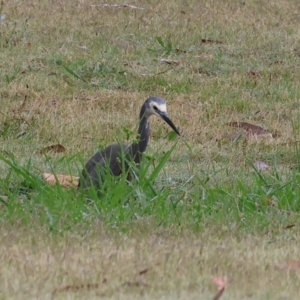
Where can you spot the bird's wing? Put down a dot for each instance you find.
(108, 159)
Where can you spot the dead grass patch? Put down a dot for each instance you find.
(157, 265)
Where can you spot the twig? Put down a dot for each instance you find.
(219, 294)
(118, 5)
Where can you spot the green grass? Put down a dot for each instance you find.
(77, 75)
(182, 201)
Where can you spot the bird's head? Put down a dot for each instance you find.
(157, 106)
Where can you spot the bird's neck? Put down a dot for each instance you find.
(143, 132)
(143, 137)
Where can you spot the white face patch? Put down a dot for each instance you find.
(160, 107)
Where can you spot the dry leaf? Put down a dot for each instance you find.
(64, 180)
(250, 128)
(289, 226)
(221, 283)
(58, 148)
(260, 165)
(291, 265)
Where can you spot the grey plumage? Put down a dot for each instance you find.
(115, 157)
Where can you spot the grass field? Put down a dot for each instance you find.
(219, 201)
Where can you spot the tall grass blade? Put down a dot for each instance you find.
(74, 74)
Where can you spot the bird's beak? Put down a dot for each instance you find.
(165, 117)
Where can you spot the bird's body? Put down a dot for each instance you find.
(116, 157)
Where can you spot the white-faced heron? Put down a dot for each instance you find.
(112, 157)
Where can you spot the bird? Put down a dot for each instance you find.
(115, 157)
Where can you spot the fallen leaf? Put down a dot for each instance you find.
(64, 180)
(291, 265)
(260, 165)
(221, 283)
(289, 226)
(58, 148)
(250, 128)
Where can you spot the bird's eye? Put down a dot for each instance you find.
(155, 107)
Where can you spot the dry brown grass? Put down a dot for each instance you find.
(254, 35)
(156, 265)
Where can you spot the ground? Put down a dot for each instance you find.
(219, 202)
